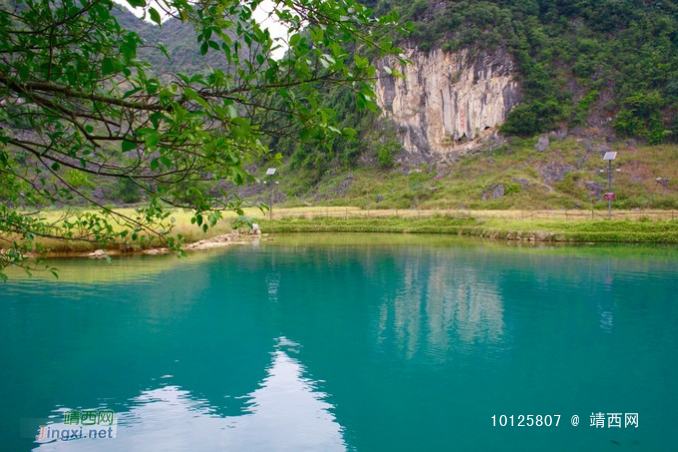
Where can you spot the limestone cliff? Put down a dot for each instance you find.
(448, 101)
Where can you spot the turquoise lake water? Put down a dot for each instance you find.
(386, 347)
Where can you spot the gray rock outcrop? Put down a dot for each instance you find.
(448, 101)
(543, 143)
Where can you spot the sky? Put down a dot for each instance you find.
(261, 14)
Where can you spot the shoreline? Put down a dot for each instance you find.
(219, 241)
(543, 231)
(516, 230)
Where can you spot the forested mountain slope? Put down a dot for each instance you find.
(178, 39)
(604, 72)
(596, 63)
(580, 62)
(588, 76)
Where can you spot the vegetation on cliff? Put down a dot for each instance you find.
(610, 66)
(584, 62)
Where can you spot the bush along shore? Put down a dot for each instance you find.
(624, 231)
(643, 230)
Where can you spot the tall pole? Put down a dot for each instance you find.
(270, 211)
(270, 173)
(609, 189)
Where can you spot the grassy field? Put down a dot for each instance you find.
(512, 192)
(563, 225)
(513, 214)
(181, 227)
(615, 231)
(570, 174)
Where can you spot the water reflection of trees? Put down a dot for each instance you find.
(440, 303)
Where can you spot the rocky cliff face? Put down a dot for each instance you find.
(449, 102)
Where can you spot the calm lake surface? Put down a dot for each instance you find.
(379, 346)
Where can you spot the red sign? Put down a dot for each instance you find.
(609, 195)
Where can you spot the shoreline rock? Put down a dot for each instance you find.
(223, 240)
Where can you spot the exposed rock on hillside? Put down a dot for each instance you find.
(543, 143)
(449, 102)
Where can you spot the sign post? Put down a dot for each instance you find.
(609, 156)
(270, 173)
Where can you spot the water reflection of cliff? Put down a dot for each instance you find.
(440, 304)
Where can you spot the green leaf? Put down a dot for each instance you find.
(349, 132)
(137, 3)
(131, 92)
(361, 62)
(152, 138)
(155, 16)
(127, 145)
(24, 71)
(304, 134)
(166, 161)
(109, 66)
(192, 95)
(164, 51)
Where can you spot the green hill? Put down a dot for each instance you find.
(570, 174)
(606, 69)
(581, 62)
(178, 39)
(587, 63)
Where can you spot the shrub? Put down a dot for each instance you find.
(388, 151)
(78, 179)
(128, 191)
(242, 221)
